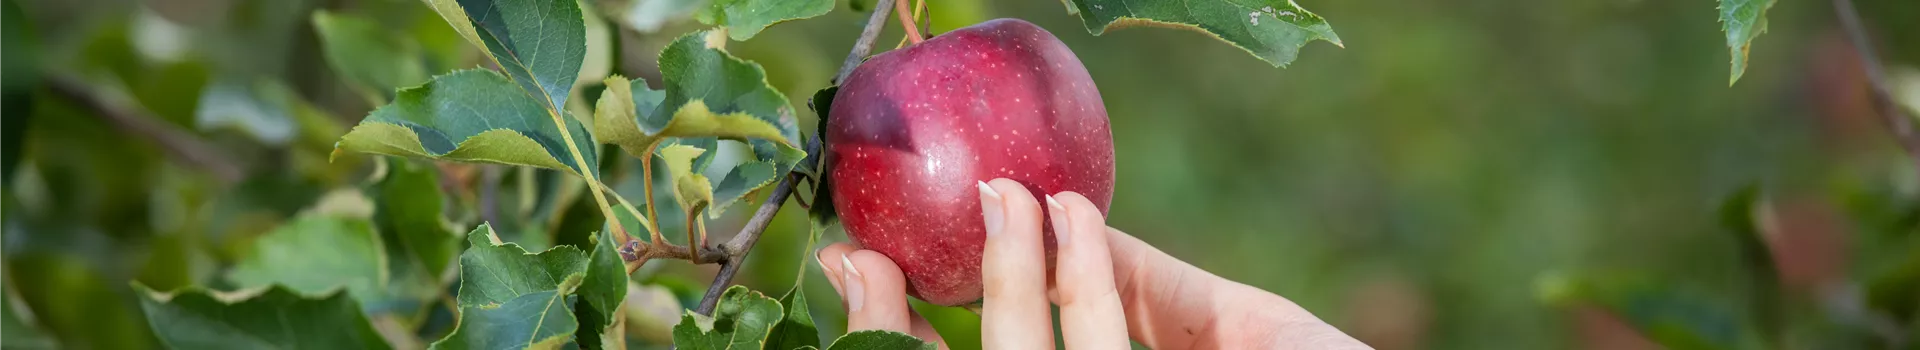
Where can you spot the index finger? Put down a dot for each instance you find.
(1013, 270)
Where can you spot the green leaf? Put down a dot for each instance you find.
(408, 209)
(20, 332)
(1674, 316)
(1895, 289)
(650, 15)
(19, 77)
(603, 290)
(540, 43)
(877, 339)
(796, 328)
(22, 66)
(370, 57)
(772, 162)
(634, 117)
(742, 320)
(745, 18)
(492, 273)
(420, 246)
(261, 108)
(451, 11)
(510, 298)
(269, 318)
(1273, 30)
(636, 226)
(538, 320)
(821, 215)
(1742, 20)
(691, 190)
(707, 93)
(696, 68)
(1739, 214)
(470, 116)
(318, 254)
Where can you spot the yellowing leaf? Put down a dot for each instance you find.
(708, 93)
(692, 190)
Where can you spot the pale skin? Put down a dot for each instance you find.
(1110, 287)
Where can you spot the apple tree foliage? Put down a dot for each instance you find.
(314, 281)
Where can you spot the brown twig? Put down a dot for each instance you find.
(178, 144)
(733, 253)
(865, 44)
(1897, 119)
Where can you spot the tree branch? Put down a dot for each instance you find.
(865, 44)
(736, 249)
(1896, 118)
(179, 145)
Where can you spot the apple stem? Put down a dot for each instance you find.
(906, 21)
(924, 21)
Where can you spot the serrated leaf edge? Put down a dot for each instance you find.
(1739, 46)
(1123, 22)
(386, 146)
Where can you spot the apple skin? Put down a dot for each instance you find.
(912, 131)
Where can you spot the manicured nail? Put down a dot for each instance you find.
(990, 208)
(856, 287)
(1058, 213)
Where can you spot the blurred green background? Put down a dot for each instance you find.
(1468, 174)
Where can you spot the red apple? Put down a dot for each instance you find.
(912, 131)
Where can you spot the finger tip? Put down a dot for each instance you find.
(987, 190)
(1071, 199)
(826, 256)
(1006, 187)
(846, 263)
(871, 261)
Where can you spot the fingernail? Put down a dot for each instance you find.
(1058, 213)
(856, 289)
(990, 208)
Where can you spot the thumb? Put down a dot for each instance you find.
(1155, 286)
(1170, 304)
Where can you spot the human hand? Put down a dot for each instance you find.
(1109, 286)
